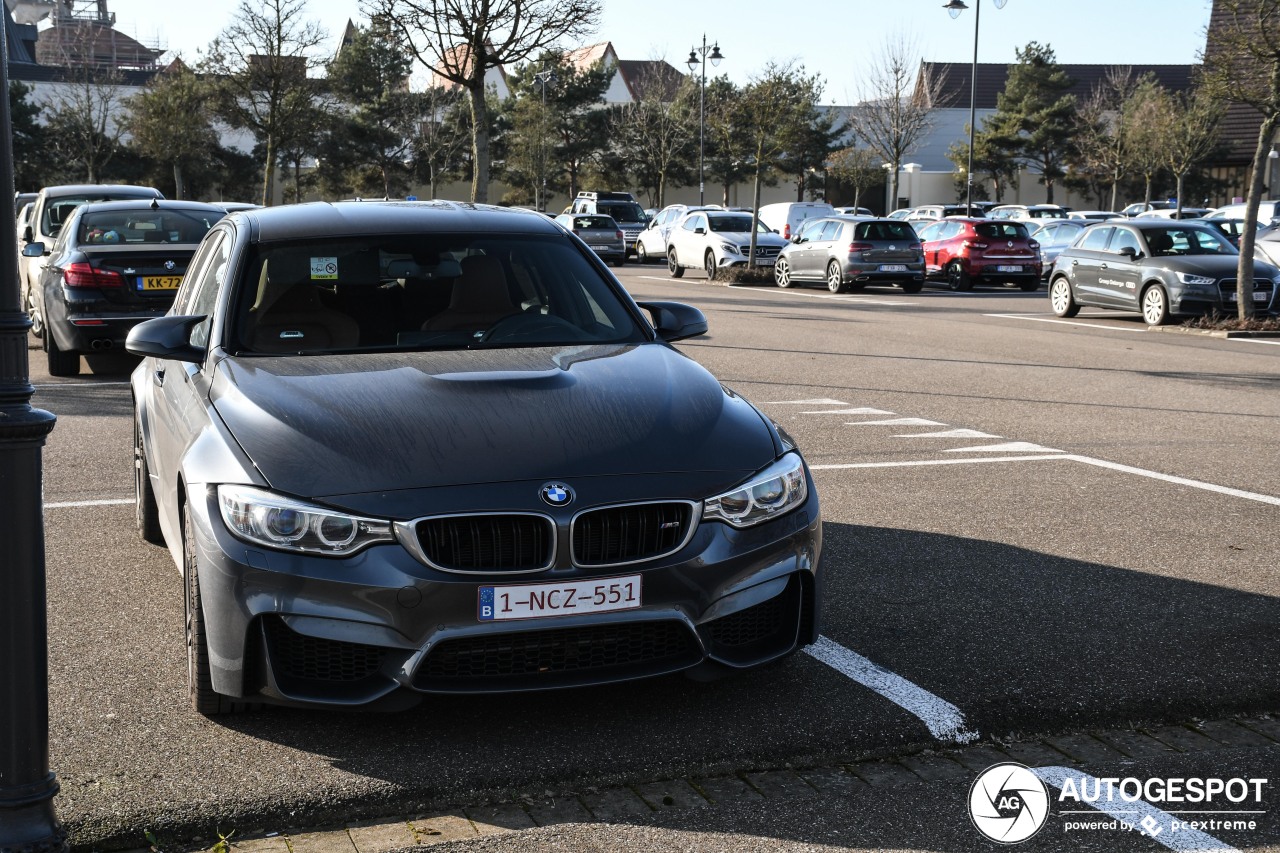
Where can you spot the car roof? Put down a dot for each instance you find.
(90, 189)
(147, 204)
(320, 218)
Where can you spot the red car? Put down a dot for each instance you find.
(965, 252)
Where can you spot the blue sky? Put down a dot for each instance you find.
(833, 38)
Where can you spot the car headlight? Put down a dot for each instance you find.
(275, 521)
(777, 489)
(729, 248)
(1188, 278)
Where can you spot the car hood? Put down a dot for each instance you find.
(744, 237)
(348, 424)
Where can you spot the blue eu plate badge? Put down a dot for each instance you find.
(486, 604)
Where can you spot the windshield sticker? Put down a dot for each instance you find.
(324, 268)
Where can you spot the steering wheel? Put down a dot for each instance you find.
(526, 326)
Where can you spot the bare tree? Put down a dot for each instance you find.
(171, 123)
(1101, 138)
(262, 60)
(1191, 135)
(855, 167)
(1242, 65)
(656, 134)
(895, 105)
(85, 120)
(1146, 113)
(460, 40)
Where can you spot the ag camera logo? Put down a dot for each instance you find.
(1008, 803)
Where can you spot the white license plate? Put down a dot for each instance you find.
(539, 600)
(1009, 268)
(893, 268)
(1258, 296)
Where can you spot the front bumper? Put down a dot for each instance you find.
(302, 630)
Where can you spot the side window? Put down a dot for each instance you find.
(1096, 238)
(692, 223)
(204, 293)
(830, 230)
(1124, 239)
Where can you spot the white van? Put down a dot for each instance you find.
(1268, 212)
(785, 217)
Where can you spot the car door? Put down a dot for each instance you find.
(1083, 260)
(803, 257)
(928, 241)
(177, 390)
(685, 240)
(1119, 274)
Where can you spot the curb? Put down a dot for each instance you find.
(645, 799)
(1214, 333)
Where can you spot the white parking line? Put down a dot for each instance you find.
(1141, 329)
(76, 504)
(1269, 341)
(924, 463)
(897, 422)
(951, 433)
(1181, 481)
(61, 385)
(944, 720)
(1145, 818)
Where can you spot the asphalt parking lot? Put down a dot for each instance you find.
(1032, 528)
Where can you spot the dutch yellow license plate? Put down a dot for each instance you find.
(160, 282)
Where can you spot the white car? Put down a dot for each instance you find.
(715, 239)
(651, 244)
(1093, 214)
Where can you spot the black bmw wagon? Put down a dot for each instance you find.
(407, 448)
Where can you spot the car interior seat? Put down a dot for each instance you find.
(1160, 243)
(287, 314)
(480, 297)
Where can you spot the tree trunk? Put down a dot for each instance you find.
(1115, 188)
(1181, 176)
(755, 215)
(857, 196)
(179, 191)
(1244, 271)
(269, 172)
(1048, 191)
(893, 187)
(1146, 193)
(479, 141)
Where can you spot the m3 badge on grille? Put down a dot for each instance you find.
(557, 494)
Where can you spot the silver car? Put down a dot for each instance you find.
(851, 252)
(599, 232)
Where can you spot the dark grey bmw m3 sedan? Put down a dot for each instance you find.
(407, 448)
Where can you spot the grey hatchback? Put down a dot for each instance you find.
(849, 253)
(599, 232)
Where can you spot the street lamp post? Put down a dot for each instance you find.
(699, 58)
(542, 80)
(954, 8)
(27, 787)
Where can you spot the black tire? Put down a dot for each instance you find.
(1029, 286)
(709, 264)
(37, 322)
(60, 362)
(199, 682)
(957, 278)
(146, 513)
(642, 256)
(1061, 300)
(912, 286)
(835, 278)
(782, 273)
(1155, 306)
(673, 265)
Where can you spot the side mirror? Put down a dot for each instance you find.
(33, 250)
(166, 337)
(1129, 252)
(675, 321)
(699, 231)
(27, 234)
(796, 239)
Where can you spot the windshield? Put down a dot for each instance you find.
(622, 211)
(733, 224)
(146, 226)
(422, 292)
(1003, 229)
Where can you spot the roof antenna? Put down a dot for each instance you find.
(155, 204)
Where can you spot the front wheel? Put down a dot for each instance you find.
(199, 679)
(957, 278)
(912, 286)
(1155, 306)
(1061, 299)
(782, 272)
(60, 362)
(709, 264)
(835, 278)
(642, 256)
(37, 322)
(673, 264)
